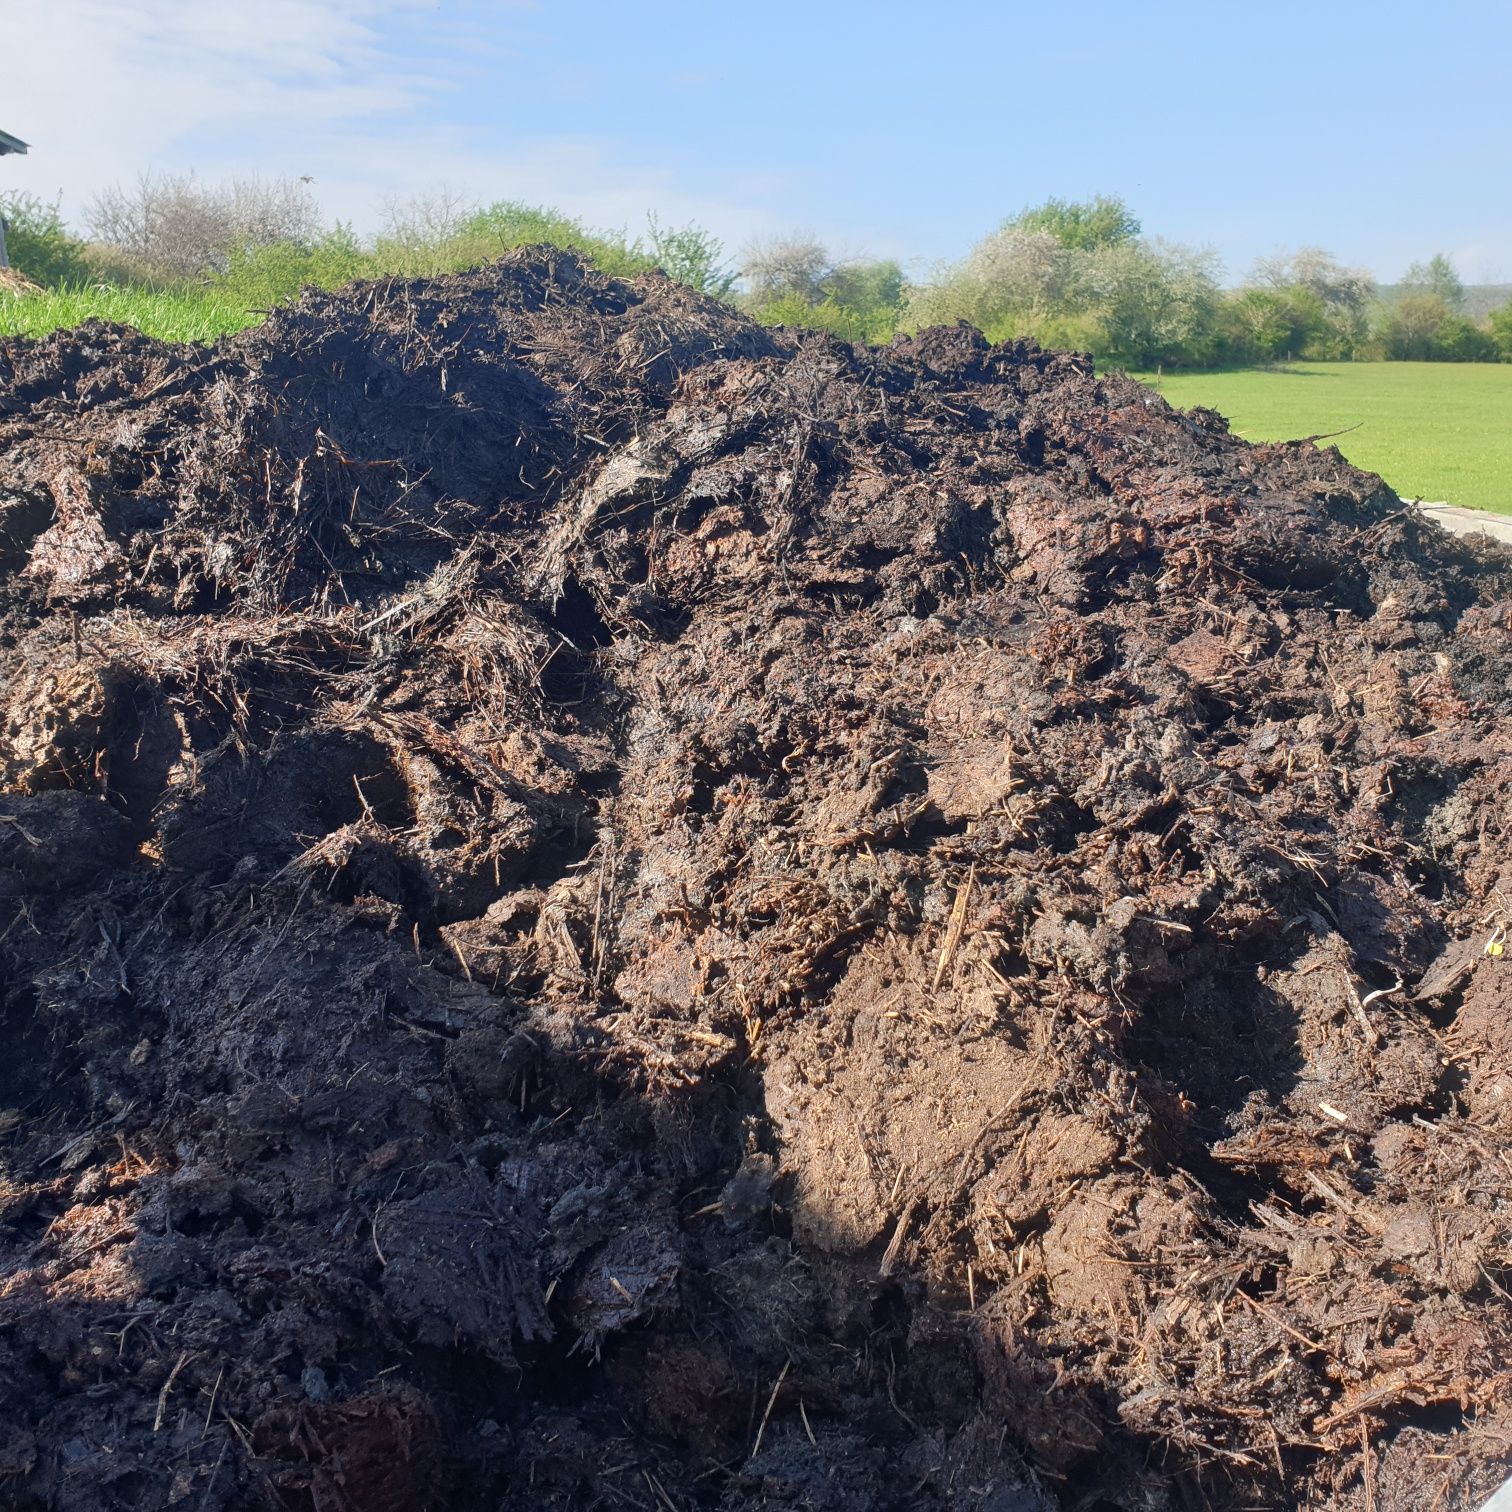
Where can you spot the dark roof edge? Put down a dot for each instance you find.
(9, 143)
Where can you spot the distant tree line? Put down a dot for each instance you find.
(1071, 274)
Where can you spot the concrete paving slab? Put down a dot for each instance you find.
(1501, 1501)
(1470, 521)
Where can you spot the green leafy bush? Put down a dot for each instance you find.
(38, 243)
(1105, 221)
(1332, 322)
(1147, 303)
(692, 256)
(501, 227)
(1425, 328)
(875, 325)
(257, 278)
(1500, 332)
(1267, 325)
(794, 281)
(111, 266)
(1461, 340)
(1073, 333)
(1158, 303)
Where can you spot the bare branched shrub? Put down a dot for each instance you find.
(782, 265)
(1012, 274)
(425, 220)
(177, 226)
(1341, 296)
(1152, 299)
(1314, 269)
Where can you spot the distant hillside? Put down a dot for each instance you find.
(1480, 299)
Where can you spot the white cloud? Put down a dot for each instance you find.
(110, 89)
(290, 87)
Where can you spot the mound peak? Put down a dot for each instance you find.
(600, 904)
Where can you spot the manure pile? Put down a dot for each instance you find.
(601, 907)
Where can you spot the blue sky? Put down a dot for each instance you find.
(1382, 132)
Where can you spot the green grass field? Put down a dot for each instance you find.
(1439, 431)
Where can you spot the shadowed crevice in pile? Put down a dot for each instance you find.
(602, 906)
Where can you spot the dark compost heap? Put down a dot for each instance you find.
(604, 907)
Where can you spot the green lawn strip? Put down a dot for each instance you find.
(1433, 430)
(170, 316)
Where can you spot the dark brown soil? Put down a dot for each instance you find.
(603, 907)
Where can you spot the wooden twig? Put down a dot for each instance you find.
(1270, 1317)
(1368, 1472)
(214, 1392)
(895, 1245)
(771, 1402)
(1328, 435)
(162, 1406)
(954, 928)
